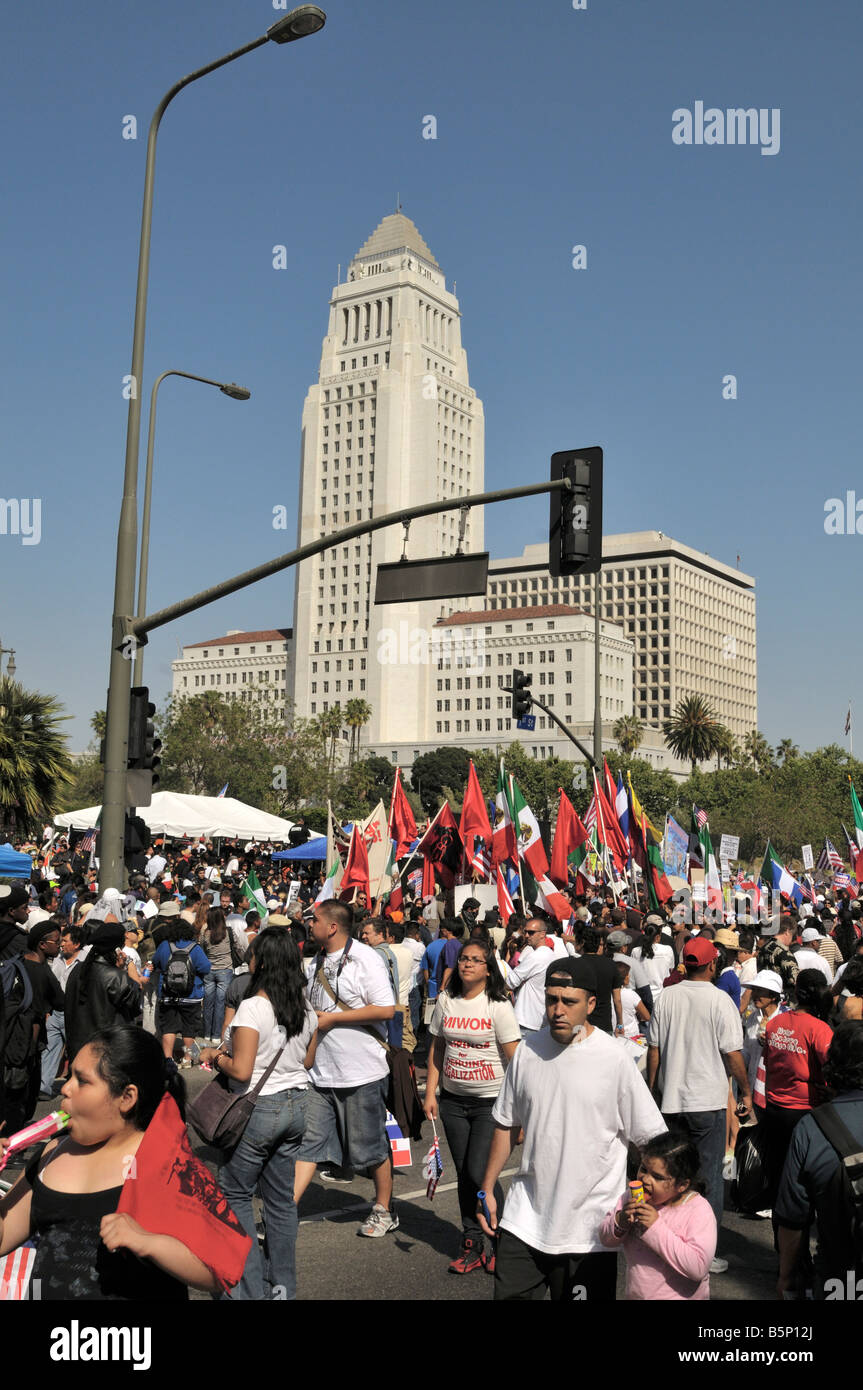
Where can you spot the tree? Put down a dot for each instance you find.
(786, 749)
(432, 772)
(692, 731)
(726, 747)
(99, 723)
(628, 732)
(35, 767)
(758, 752)
(357, 714)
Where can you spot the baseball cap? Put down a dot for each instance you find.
(653, 919)
(580, 971)
(699, 951)
(811, 934)
(618, 939)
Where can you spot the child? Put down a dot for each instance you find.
(634, 1012)
(669, 1239)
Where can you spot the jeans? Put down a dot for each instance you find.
(706, 1129)
(148, 1006)
(414, 1001)
(55, 1032)
(215, 989)
(469, 1129)
(264, 1159)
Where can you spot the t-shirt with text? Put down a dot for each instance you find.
(474, 1031)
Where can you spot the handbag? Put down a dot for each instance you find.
(220, 1115)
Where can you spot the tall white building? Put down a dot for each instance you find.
(391, 422)
(251, 668)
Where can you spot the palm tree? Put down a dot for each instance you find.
(726, 746)
(693, 730)
(34, 764)
(357, 713)
(786, 749)
(758, 751)
(99, 723)
(628, 732)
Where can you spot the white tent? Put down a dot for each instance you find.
(179, 815)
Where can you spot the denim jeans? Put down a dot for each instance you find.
(706, 1129)
(215, 989)
(469, 1128)
(264, 1159)
(55, 1031)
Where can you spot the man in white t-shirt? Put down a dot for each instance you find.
(350, 989)
(807, 956)
(695, 1041)
(577, 1095)
(155, 865)
(527, 979)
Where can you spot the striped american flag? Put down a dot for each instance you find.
(700, 817)
(834, 859)
(481, 858)
(87, 842)
(590, 816)
(434, 1167)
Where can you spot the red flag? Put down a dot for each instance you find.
(428, 884)
(441, 844)
(475, 823)
(504, 900)
(610, 785)
(608, 828)
(569, 833)
(356, 874)
(171, 1193)
(403, 827)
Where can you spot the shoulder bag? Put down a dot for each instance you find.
(220, 1115)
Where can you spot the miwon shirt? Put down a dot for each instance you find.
(474, 1031)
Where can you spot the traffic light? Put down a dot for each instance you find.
(520, 694)
(144, 746)
(575, 521)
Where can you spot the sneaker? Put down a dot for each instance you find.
(488, 1260)
(185, 1063)
(379, 1222)
(343, 1175)
(471, 1258)
(718, 1266)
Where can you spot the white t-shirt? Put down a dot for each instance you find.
(694, 1024)
(155, 865)
(407, 965)
(580, 1106)
(811, 960)
(629, 1002)
(656, 969)
(133, 956)
(289, 1073)
(474, 1029)
(528, 982)
(417, 950)
(350, 1056)
(748, 971)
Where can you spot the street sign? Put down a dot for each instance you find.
(527, 721)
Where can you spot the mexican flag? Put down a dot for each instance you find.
(530, 845)
(539, 890)
(255, 893)
(503, 846)
(858, 815)
(331, 884)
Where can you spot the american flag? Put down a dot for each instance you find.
(15, 1271)
(481, 858)
(848, 721)
(590, 817)
(829, 858)
(700, 817)
(434, 1166)
(87, 843)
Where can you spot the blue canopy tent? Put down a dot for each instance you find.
(13, 864)
(315, 848)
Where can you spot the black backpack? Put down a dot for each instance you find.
(17, 1046)
(179, 978)
(840, 1245)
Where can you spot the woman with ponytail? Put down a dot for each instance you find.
(274, 1027)
(70, 1193)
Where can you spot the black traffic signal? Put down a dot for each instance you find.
(575, 521)
(144, 746)
(521, 700)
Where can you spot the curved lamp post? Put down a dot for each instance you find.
(307, 19)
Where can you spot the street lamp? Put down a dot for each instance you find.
(10, 666)
(236, 393)
(307, 19)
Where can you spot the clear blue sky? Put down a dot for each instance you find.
(553, 129)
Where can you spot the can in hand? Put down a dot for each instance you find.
(636, 1190)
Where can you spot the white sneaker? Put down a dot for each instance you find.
(379, 1222)
(718, 1266)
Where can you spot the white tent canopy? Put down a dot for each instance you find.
(179, 815)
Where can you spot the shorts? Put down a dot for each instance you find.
(347, 1126)
(176, 1017)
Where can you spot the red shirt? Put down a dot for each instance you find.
(795, 1047)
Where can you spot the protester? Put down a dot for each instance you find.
(99, 993)
(576, 1094)
(669, 1237)
(85, 1249)
(270, 1038)
(526, 980)
(182, 967)
(475, 1033)
(217, 943)
(656, 958)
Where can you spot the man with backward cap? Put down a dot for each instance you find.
(581, 1101)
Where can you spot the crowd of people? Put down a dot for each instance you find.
(621, 1060)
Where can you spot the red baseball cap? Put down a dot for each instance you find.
(699, 951)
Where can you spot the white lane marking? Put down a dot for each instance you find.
(400, 1197)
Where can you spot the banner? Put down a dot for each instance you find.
(808, 861)
(675, 843)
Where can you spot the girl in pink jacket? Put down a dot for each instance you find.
(669, 1237)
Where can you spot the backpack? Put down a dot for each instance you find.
(17, 1046)
(840, 1237)
(179, 978)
